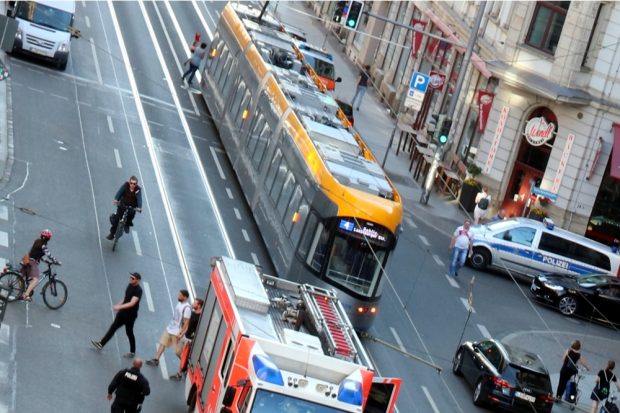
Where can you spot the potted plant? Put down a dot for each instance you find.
(537, 213)
(470, 188)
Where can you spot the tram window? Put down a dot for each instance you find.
(259, 123)
(221, 62)
(238, 96)
(293, 205)
(320, 248)
(298, 226)
(285, 194)
(278, 182)
(308, 233)
(245, 104)
(271, 174)
(230, 74)
(261, 145)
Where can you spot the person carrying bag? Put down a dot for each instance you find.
(603, 380)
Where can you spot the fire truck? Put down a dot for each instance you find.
(268, 345)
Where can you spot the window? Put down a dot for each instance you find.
(491, 352)
(297, 227)
(521, 235)
(319, 248)
(546, 26)
(261, 144)
(293, 206)
(245, 105)
(203, 324)
(242, 403)
(285, 195)
(273, 169)
(278, 182)
(569, 249)
(308, 235)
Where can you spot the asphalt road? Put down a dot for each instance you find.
(118, 111)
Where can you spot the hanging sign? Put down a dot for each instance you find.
(485, 102)
(538, 131)
(597, 155)
(416, 37)
(563, 162)
(503, 116)
(437, 80)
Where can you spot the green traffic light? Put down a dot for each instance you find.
(351, 23)
(443, 139)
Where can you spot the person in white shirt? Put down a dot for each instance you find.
(176, 328)
(461, 245)
(483, 200)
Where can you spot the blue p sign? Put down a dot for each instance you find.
(419, 82)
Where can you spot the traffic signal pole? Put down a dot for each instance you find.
(430, 177)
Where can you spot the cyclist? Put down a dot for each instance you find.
(33, 258)
(129, 194)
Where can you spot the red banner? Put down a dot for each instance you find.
(485, 101)
(614, 170)
(416, 37)
(437, 80)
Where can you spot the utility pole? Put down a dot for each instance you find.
(430, 177)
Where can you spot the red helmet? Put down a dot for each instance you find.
(46, 234)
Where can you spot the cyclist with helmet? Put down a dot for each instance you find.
(33, 258)
(129, 194)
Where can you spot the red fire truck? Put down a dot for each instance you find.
(268, 345)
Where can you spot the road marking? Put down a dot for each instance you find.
(217, 164)
(162, 364)
(424, 240)
(110, 124)
(149, 297)
(4, 212)
(410, 222)
(467, 307)
(4, 239)
(87, 20)
(452, 281)
(117, 156)
(430, 399)
(237, 214)
(254, 259)
(54, 325)
(5, 334)
(4, 373)
(136, 242)
(398, 340)
(97, 69)
(246, 237)
(483, 330)
(438, 260)
(229, 193)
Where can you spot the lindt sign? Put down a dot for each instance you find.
(538, 131)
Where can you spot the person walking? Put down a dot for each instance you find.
(362, 85)
(603, 381)
(184, 345)
(131, 387)
(127, 312)
(571, 357)
(128, 195)
(194, 63)
(483, 199)
(461, 245)
(176, 327)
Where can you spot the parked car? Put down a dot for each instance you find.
(594, 296)
(504, 376)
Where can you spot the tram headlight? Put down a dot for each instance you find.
(373, 310)
(361, 310)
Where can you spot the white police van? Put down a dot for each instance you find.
(528, 247)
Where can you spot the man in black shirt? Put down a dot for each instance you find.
(127, 312)
(131, 388)
(184, 345)
(128, 195)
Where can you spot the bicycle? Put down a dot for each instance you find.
(15, 282)
(120, 227)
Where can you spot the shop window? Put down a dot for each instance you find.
(546, 25)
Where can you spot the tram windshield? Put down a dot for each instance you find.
(269, 402)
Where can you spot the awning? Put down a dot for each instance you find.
(614, 170)
(448, 32)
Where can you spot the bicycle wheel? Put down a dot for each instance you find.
(120, 227)
(54, 294)
(13, 283)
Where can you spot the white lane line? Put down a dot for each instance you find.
(110, 124)
(4, 239)
(202, 20)
(430, 399)
(466, 305)
(254, 259)
(4, 213)
(410, 222)
(87, 20)
(483, 330)
(117, 156)
(438, 260)
(217, 163)
(149, 297)
(424, 240)
(237, 214)
(452, 281)
(5, 333)
(162, 364)
(246, 237)
(136, 242)
(83, 3)
(97, 69)
(398, 340)
(229, 193)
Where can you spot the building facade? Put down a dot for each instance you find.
(539, 110)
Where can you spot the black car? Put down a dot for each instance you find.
(504, 376)
(594, 296)
(347, 109)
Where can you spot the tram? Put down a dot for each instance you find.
(325, 208)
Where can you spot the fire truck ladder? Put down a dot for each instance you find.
(330, 322)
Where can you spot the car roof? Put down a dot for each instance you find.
(523, 358)
(611, 279)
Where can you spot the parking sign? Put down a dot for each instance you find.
(417, 89)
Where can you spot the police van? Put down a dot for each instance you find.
(528, 247)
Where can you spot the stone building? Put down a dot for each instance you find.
(544, 72)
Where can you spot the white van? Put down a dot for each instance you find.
(45, 29)
(529, 247)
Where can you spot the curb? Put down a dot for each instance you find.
(6, 126)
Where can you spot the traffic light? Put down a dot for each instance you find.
(444, 132)
(354, 14)
(340, 11)
(438, 121)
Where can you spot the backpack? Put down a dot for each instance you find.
(484, 203)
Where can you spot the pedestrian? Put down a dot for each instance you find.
(483, 199)
(194, 63)
(571, 357)
(500, 216)
(362, 85)
(461, 245)
(176, 328)
(131, 387)
(184, 344)
(31, 261)
(127, 312)
(128, 195)
(615, 246)
(601, 389)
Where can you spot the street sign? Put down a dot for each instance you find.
(417, 89)
(547, 194)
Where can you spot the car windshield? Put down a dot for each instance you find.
(44, 15)
(324, 69)
(269, 402)
(527, 378)
(592, 280)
